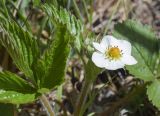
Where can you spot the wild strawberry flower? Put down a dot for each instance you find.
(112, 53)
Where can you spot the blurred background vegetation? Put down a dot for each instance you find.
(99, 17)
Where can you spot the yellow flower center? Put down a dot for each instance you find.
(113, 53)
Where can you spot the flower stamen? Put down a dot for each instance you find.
(113, 53)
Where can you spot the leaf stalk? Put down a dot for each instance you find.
(47, 105)
(82, 97)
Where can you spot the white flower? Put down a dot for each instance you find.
(112, 53)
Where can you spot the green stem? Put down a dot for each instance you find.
(77, 10)
(85, 8)
(82, 98)
(47, 105)
(113, 13)
(17, 7)
(68, 4)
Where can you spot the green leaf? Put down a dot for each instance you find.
(16, 97)
(51, 67)
(153, 92)
(36, 2)
(145, 48)
(15, 90)
(54, 60)
(64, 18)
(20, 44)
(12, 82)
(91, 71)
(141, 69)
(7, 109)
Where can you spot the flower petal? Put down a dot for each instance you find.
(114, 64)
(105, 42)
(129, 60)
(125, 46)
(98, 59)
(98, 47)
(112, 40)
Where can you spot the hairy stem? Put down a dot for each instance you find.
(82, 97)
(47, 105)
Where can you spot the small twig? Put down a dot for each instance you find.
(125, 9)
(47, 105)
